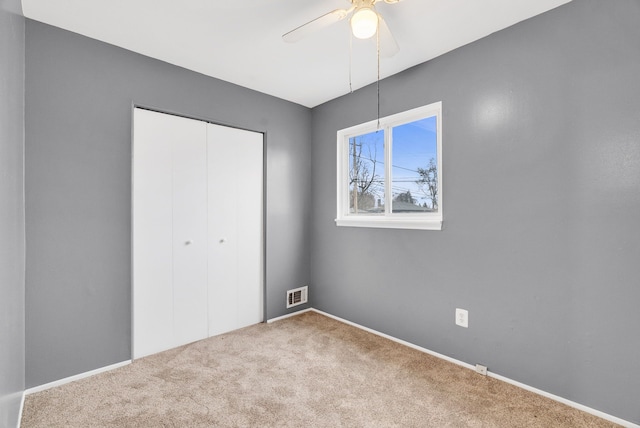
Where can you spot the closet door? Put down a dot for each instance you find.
(190, 312)
(169, 232)
(235, 169)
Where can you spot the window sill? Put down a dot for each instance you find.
(391, 223)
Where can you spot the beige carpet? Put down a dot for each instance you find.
(305, 371)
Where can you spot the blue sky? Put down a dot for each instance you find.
(414, 144)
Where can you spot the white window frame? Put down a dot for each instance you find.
(388, 219)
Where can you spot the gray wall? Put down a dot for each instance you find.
(78, 173)
(542, 180)
(541, 241)
(11, 212)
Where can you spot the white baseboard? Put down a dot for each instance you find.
(569, 403)
(292, 314)
(395, 339)
(562, 400)
(21, 410)
(74, 378)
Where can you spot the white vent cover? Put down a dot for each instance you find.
(297, 296)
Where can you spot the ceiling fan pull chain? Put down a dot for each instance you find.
(378, 59)
(350, 61)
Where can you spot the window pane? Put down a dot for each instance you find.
(366, 173)
(414, 168)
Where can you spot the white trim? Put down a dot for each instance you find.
(21, 410)
(559, 399)
(75, 377)
(292, 314)
(400, 341)
(389, 222)
(562, 400)
(388, 219)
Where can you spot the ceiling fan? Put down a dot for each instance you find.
(365, 22)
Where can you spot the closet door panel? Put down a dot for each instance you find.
(235, 228)
(169, 209)
(189, 234)
(223, 225)
(249, 254)
(152, 235)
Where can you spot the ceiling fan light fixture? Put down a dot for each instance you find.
(364, 23)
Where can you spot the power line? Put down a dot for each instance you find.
(392, 165)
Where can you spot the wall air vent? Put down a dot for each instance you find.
(297, 296)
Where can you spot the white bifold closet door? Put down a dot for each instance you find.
(235, 220)
(197, 230)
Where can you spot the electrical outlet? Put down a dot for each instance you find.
(462, 317)
(481, 369)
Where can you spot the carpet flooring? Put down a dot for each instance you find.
(304, 371)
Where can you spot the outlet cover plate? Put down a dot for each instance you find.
(462, 317)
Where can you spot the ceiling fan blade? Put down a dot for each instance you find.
(388, 45)
(315, 25)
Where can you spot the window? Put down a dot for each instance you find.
(390, 175)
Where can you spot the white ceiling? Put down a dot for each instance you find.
(240, 40)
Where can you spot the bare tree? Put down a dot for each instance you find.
(362, 174)
(428, 182)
